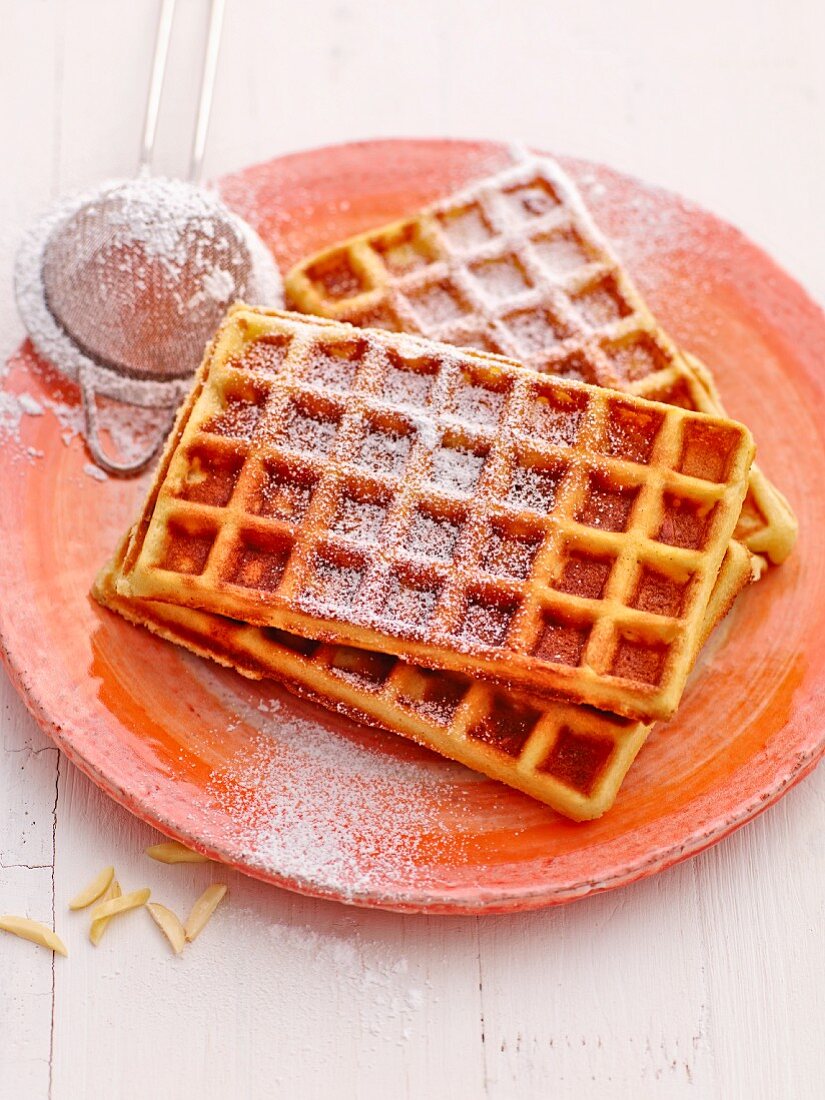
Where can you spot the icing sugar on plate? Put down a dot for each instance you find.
(343, 841)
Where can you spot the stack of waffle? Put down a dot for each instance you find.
(465, 520)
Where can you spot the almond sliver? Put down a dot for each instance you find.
(34, 931)
(171, 851)
(96, 889)
(99, 926)
(203, 909)
(113, 906)
(168, 923)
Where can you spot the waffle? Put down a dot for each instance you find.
(515, 265)
(573, 758)
(446, 506)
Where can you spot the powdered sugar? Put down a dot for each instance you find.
(376, 982)
(29, 405)
(158, 214)
(485, 623)
(367, 830)
(456, 470)
(14, 408)
(384, 451)
(653, 223)
(95, 472)
(217, 285)
(334, 372)
(433, 536)
(11, 413)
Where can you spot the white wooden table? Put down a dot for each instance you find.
(708, 981)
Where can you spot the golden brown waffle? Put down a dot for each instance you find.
(446, 506)
(515, 265)
(571, 757)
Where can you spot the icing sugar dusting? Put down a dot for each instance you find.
(29, 405)
(11, 413)
(218, 284)
(327, 811)
(95, 472)
(14, 408)
(158, 213)
(378, 983)
(662, 237)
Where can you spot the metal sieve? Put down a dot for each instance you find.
(120, 288)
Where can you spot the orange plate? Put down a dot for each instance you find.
(284, 791)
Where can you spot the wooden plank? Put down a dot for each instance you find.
(605, 997)
(28, 761)
(762, 914)
(27, 983)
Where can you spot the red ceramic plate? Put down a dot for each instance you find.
(291, 795)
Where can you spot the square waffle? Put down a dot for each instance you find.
(444, 505)
(573, 758)
(515, 264)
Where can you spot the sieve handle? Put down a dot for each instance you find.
(93, 442)
(210, 67)
(150, 125)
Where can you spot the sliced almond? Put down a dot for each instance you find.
(203, 909)
(34, 931)
(99, 926)
(173, 852)
(168, 923)
(96, 889)
(113, 906)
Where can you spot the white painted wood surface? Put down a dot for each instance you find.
(708, 981)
